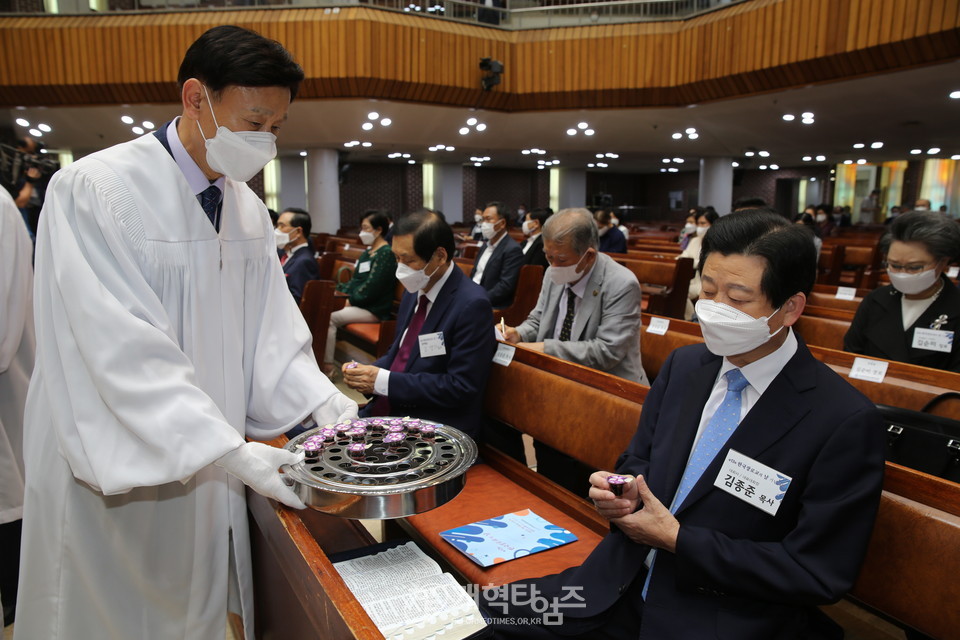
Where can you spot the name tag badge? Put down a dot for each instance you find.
(867, 369)
(846, 293)
(363, 267)
(753, 482)
(504, 354)
(953, 272)
(658, 326)
(431, 344)
(933, 340)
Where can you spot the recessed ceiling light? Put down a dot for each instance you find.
(137, 130)
(673, 170)
(431, 148)
(571, 132)
(367, 144)
(955, 95)
(613, 155)
(955, 156)
(763, 154)
(599, 155)
(678, 160)
(405, 155)
(859, 145)
(763, 167)
(821, 158)
(373, 115)
(36, 133)
(807, 158)
(541, 161)
(775, 167)
(689, 131)
(602, 165)
(914, 152)
(471, 122)
(441, 146)
(666, 160)
(303, 154)
(807, 121)
(481, 127)
(663, 170)
(44, 127)
(366, 126)
(126, 119)
(464, 131)
(477, 164)
(933, 150)
(749, 154)
(693, 136)
(789, 117)
(848, 162)
(813, 179)
(862, 161)
(876, 145)
(148, 125)
(386, 122)
(589, 132)
(807, 115)
(525, 152)
(590, 165)
(451, 148)
(582, 125)
(734, 164)
(541, 167)
(677, 136)
(411, 162)
(23, 123)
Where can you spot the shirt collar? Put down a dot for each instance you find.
(297, 248)
(191, 170)
(762, 372)
(494, 244)
(435, 289)
(581, 287)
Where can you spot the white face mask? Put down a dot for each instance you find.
(413, 280)
(615, 222)
(913, 283)
(730, 332)
(701, 230)
(528, 227)
(689, 227)
(488, 230)
(821, 217)
(367, 238)
(239, 155)
(478, 218)
(566, 275)
(283, 239)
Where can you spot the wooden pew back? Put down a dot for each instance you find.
(525, 298)
(664, 284)
(830, 264)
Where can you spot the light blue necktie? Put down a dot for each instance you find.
(718, 430)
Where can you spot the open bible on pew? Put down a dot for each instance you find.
(408, 596)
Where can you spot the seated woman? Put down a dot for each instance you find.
(690, 227)
(705, 218)
(914, 319)
(371, 289)
(612, 239)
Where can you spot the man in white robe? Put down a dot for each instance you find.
(166, 336)
(17, 345)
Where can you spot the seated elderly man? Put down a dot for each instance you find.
(589, 306)
(438, 365)
(753, 479)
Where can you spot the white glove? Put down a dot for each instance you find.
(337, 408)
(256, 465)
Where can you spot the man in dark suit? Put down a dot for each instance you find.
(497, 266)
(757, 471)
(532, 228)
(293, 246)
(438, 365)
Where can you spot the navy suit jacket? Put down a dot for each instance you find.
(737, 571)
(446, 388)
(501, 272)
(535, 254)
(298, 269)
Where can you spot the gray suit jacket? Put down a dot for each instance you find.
(606, 329)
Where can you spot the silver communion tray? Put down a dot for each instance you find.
(414, 474)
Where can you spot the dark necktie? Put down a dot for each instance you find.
(381, 406)
(567, 325)
(210, 201)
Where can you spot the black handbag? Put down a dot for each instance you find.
(923, 441)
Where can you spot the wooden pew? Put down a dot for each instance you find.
(830, 264)
(318, 301)
(525, 298)
(665, 285)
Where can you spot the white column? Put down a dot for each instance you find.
(448, 191)
(323, 190)
(293, 182)
(568, 188)
(716, 184)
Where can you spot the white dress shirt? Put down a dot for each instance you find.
(485, 258)
(529, 243)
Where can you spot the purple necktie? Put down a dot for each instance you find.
(381, 406)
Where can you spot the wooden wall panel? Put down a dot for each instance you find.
(756, 46)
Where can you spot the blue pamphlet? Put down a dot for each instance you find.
(503, 538)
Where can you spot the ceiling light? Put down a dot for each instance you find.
(148, 125)
(807, 158)
(734, 164)
(677, 136)
(431, 148)
(600, 155)
(667, 160)
(693, 136)
(589, 132)
(832, 171)
(590, 165)
(347, 144)
(137, 130)
(303, 154)
(36, 133)
(126, 119)
(486, 158)
(481, 127)
(933, 150)
(673, 170)
(541, 167)
(775, 167)
(862, 161)
(876, 145)
(807, 115)
(386, 122)
(525, 152)
(690, 131)
(848, 162)
(582, 125)
(541, 161)
(464, 131)
(789, 117)
(471, 122)
(821, 158)
(477, 164)
(955, 157)
(914, 152)
(859, 145)
(763, 167)
(613, 155)
(602, 165)
(44, 127)
(663, 170)
(354, 143)
(807, 121)
(405, 155)
(678, 160)
(441, 146)
(373, 115)
(366, 126)
(367, 144)
(22, 122)
(571, 132)
(813, 179)
(955, 95)
(411, 162)
(749, 154)
(451, 148)
(763, 154)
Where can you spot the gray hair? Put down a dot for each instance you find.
(573, 226)
(939, 234)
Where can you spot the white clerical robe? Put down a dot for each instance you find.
(161, 344)
(16, 351)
